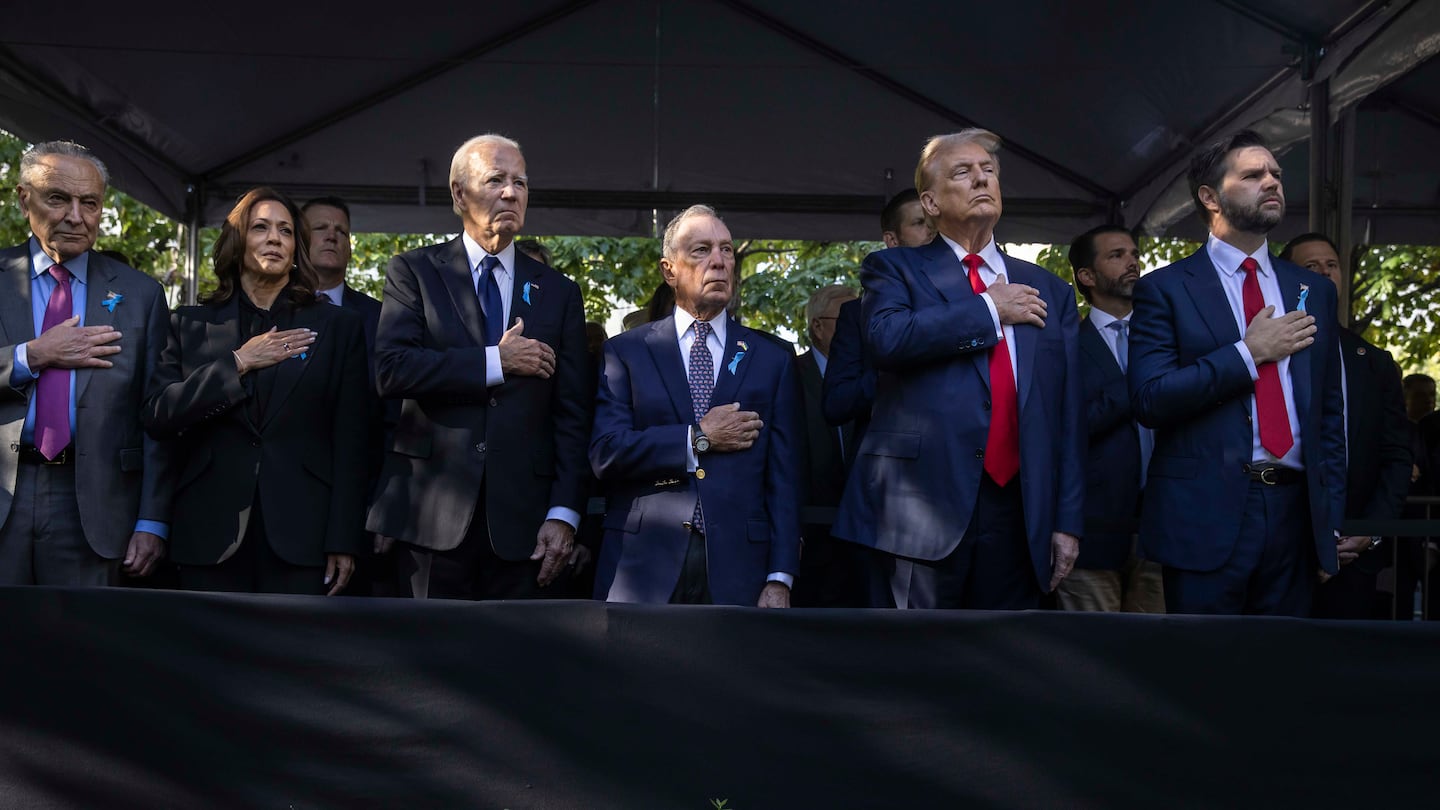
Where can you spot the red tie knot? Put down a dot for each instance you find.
(1250, 266)
(973, 262)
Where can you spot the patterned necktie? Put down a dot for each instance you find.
(1002, 446)
(702, 385)
(52, 390)
(1122, 343)
(490, 302)
(1270, 411)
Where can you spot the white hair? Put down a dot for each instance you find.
(667, 244)
(460, 163)
(30, 163)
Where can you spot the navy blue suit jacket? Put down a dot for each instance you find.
(1189, 383)
(638, 449)
(849, 385)
(917, 476)
(1112, 462)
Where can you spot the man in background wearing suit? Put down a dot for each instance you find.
(1234, 362)
(329, 221)
(971, 475)
(485, 480)
(831, 573)
(1110, 575)
(697, 440)
(1377, 449)
(84, 494)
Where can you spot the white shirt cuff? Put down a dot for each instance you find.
(493, 374)
(692, 461)
(1248, 358)
(782, 578)
(565, 514)
(994, 316)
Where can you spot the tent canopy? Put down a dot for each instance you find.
(796, 119)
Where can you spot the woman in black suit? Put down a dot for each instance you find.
(263, 392)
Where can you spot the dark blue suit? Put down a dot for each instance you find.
(638, 448)
(1112, 463)
(1189, 383)
(916, 482)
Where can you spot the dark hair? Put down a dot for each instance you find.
(535, 250)
(329, 202)
(890, 214)
(1302, 239)
(1082, 252)
(1208, 167)
(1413, 381)
(662, 303)
(230, 249)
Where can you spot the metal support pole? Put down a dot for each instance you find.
(1344, 233)
(194, 221)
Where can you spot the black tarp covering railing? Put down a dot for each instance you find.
(151, 699)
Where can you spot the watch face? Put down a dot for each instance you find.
(702, 444)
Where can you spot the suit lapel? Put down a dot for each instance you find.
(734, 362)
(665, 351)
(99, 283)
(951, 281)
(222, 335)
(525, 290)
(16, 320)
(1208, 297)
(1290, 283)
(1094, 347)
(453, 266)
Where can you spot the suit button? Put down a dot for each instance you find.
(480, 448)
(255, 442)
(700, 473)
(979, 454)
(493, 402)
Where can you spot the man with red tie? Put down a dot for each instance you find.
(972, 472)
(1234, 362)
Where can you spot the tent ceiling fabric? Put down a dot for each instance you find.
(797, 120)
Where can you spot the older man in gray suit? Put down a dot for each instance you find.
(83, 492)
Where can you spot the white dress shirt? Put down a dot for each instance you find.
(992, 269)
(505, 278)
(1227, 259)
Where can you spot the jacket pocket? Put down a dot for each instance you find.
(894, 445)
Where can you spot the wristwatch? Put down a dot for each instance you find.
(700, 443)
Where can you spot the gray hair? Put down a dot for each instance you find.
(821, 300)
(987, 140)
(30, 163)
(667, 244)
(460, 162)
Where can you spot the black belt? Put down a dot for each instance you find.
(1272, 476)
(29, 454)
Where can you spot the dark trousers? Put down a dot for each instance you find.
(833, 573)
(254, 568)
(471, 570)
(693, 587)
(1272, 570)
(42, 542)
(1350, 594)
(990, 569)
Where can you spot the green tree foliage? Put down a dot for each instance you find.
(1395, 303)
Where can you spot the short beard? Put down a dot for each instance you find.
(1250, 219)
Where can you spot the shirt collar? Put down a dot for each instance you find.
(335, 294)
(474, 254)
(683, 321)
(821, 361)
(1227, 258)
(40, 262)
(1102, 319)
(990, 253)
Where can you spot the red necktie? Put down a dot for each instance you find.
(52, 390)
(1269, 396)
(1002, 447)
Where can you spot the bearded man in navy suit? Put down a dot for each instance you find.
(697, 440)
(972, 472)
(1234, 361)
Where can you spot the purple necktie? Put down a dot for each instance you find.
(702, 385)
(52, 390)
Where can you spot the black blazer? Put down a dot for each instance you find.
(1112, 460)
(1377, 436)
(305, 459)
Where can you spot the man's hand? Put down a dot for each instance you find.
(268, 348)
(579, 558)
(1064, 548)
(145, 552)
(1270, 339)
(553, 544)
(1017, 303)
(1349, 548)
(729, 429)
(69, 345)
(338, 568)
(774, 595)
(524, 357)
(383, 544)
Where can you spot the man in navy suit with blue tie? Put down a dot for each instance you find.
(971, 475)
(697, 439)
(1109, 575)
(1234, 362)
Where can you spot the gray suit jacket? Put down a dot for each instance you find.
(121, 475)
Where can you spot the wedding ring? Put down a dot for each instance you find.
(285, 346)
